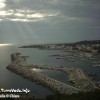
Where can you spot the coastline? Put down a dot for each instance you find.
(20, 67)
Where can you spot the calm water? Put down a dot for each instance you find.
(39, 57)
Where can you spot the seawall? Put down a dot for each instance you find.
(45, 81)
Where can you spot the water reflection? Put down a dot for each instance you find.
(5, 44)
(36, 70)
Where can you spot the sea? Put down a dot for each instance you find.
(10, 80)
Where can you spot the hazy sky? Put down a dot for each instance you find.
(45, 21)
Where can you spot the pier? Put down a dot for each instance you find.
(81, 82)
(76, 76)
(44, 80)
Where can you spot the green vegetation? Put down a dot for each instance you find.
(80, 96)
(89, 42)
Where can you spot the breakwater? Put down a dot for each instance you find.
(43, 80)
(21, 67)
(76, 76)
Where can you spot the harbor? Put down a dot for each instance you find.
(77, 76)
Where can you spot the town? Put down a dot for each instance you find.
(83, 50)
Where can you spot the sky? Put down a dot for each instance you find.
(49, 21)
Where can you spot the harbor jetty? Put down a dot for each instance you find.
(81, 82)
(77, 77)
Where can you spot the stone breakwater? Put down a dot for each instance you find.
(43, 80)
(21, 67)
(77, 77)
